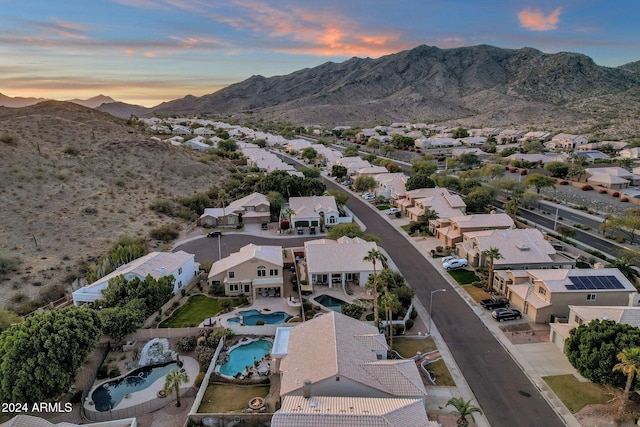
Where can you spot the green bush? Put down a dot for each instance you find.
(165, 233)
(102, 372)
(163, 206)
(71, 150)
(186, 344)
(410, 324)
(114, 371)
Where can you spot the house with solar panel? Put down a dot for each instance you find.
(541, 294)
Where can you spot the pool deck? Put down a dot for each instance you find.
(191, 366)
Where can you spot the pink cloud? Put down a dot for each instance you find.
(536, 20)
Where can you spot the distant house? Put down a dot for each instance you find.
(541, 159)
(314, 211)
(253, 271)
(416, 203)
(457, 152)
(204, 131)
(509, 136)
(426, 143)
(252, 209)
(566, 141)
(338, 262)
(371, 171)
(180, 130)
(391, 185)
(630, 153)
(451, 230)
(590, 156)
(181, 265)
(474, 140)
(352, 164)
(199, 143)
(612, 177)
(536, 136)
(543, 293)
(580, 314)
(521, 249)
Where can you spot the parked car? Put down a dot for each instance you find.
(448, 258)
(300, 230)
(393, 211)
(312, 230)
(347, 182)
(214, 234)
(494, 302)
(503, 314)
(265, 225)
(455, 263)
(368, 196)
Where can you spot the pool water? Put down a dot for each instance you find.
(245, 355)
(108, 395)
(251, 317)
(330, 302)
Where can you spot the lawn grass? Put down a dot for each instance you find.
(443, 376)
(464, 277)
(478, 294)
(409, 347)
(575, 394)
(195, 310)
(382, 207)
(580, 264)
(229, 398)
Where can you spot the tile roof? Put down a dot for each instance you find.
(517, 246)
(315, 203)
(270, 254)
(342, 255)
(337, 345)
(626, 315)
(483, 220)
(326, 411)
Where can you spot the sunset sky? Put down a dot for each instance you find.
(149, 51)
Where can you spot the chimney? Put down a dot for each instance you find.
(306, 389)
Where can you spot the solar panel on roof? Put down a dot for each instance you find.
(570, 287)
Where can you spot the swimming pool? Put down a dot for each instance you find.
(330, 302)
(245, 355)
(251, 317)
(108, 395)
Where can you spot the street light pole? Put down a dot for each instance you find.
(431, 306)
(555, 221)
(219, 248)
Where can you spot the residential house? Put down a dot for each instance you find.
(176, 140)
(566, 141)
(536, 136)
(590, 156)
(391, 185)
(541, 159)
(486, 132)
(365, 134)
(451, 230)
(426, 143)
(24, 420)
(315, 211)
(199, 143)
(605, 146)
(335, 355)
(181, 265)
(338, 262)
(630, 153)
(253, 271)
(180, 130)
(521, 249)
(251, 209)
(419, 202)
(352, 164)
(541, 294)
(474, 140)
(457, 152)
(509, 136)
(612, 177)
(580, 314)
(324, 411)
(204, 131)
(371, 171)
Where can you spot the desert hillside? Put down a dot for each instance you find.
(73, 181)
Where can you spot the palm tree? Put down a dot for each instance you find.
(629, 365)
(373, 256)
(290, 213)
(463, 410)
(627, 269)
(391, 303)
(491, 254)
(511, 206)
(173, 381)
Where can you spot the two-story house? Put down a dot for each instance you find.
(451, 230)
(252, 209)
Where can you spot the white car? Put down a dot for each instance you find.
(455, 263)
(368, 196)
(448, 258)
(393, 211)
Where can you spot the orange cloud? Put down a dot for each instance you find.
(535, 20)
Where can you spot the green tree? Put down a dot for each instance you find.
(493, 172)
(339, 171)
(309, 153)
(592, 349)
(310, 172)
(630, 366)
(419, 181)
(512, 205)
(533, 147)
(627, 269)
(365, 183)
(460, 133)
(374, 256)
(352, 310)
(576, 172)
(340, 196)
(393, 167)
(276, 201)
(39, 358)
(539, 181)
(469, 159)
(479, 200)
(391, 304)
(351, 151)
(350, 230)
(627, 224)
(173, 381)
(423, 167)
(118, 322)
(557, 169)
(228, 145)
(491, 254)
(508, 151)
(463, 410)
(401, 141)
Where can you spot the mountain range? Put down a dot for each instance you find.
(469, 86)
(96, 101)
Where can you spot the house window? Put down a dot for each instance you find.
(332, 220)
(591, 297)
(180, 270)
(273, 272)
(233, 287)
(542, 291)
(232, 275)
(262, 271)
(247, 288)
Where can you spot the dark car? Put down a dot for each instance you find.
(214, 234)
(503, 314)
(265, 225)
(494, 302)
(312, 230)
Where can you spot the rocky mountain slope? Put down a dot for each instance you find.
(470, 86)
(73, 182)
